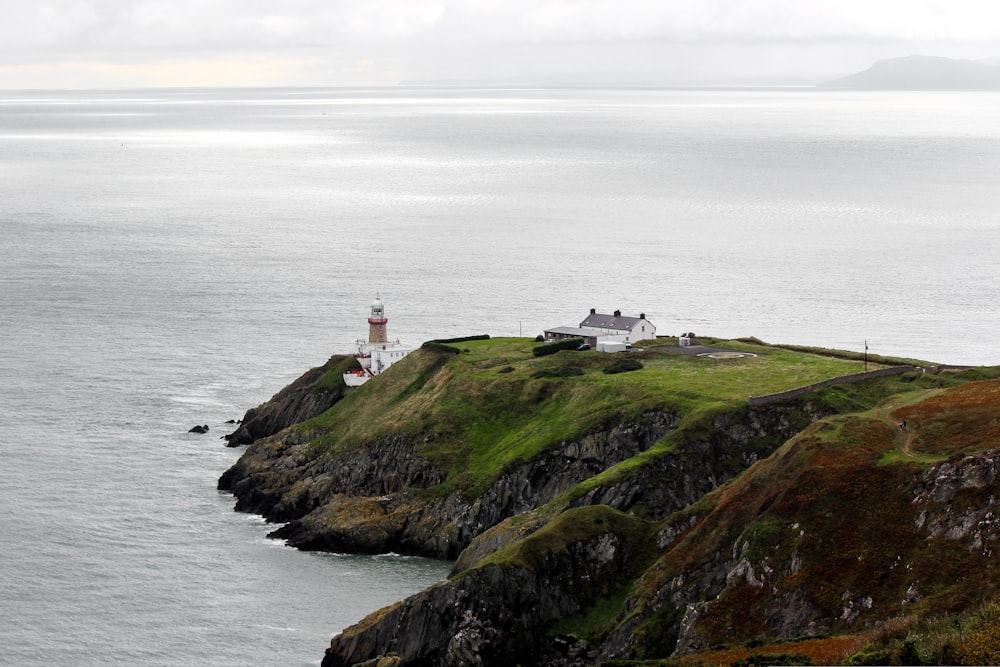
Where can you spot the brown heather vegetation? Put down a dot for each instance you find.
(961, 420)
(825, 499)
(825, 651)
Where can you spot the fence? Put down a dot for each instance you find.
(843, 379)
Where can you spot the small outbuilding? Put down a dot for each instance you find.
(612, 346)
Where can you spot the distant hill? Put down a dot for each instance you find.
(922, 73)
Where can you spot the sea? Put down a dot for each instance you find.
(172, 257)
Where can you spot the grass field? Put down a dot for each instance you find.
(483, 409)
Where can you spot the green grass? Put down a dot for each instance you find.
(570, 527)
(480, 411)
(969, 638)
(774, 370)
(594, 623)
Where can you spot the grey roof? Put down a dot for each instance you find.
(573, 331)
(602, 321)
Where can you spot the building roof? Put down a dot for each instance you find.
(573, 331)
(617, 321)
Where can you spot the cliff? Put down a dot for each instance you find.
(597, 518)
(310, 395)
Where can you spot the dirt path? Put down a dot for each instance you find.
(904, 436)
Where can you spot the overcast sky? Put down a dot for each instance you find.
(130, 43)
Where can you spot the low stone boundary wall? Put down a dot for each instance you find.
(951, 367)
(843, 379)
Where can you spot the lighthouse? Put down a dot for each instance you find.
(377, 353)
(376, 323)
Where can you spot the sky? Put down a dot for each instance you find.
(157, 43)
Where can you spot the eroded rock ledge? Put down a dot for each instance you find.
(374, 500)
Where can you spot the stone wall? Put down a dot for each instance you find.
(842, 379)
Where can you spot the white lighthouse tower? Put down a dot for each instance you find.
(376, 354)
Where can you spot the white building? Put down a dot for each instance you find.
(377, 353)
(632, 329)
(607, 332)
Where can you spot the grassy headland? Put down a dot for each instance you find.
(835, 520)
(485, 408)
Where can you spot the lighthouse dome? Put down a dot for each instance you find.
(378, 310)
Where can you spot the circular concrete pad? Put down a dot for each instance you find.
(726, 355)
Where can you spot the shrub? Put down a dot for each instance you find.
(552, 348)
(461, 339)
(871, 655)
(623, 366)
(438, 346)
(766, 660)
(561, 372)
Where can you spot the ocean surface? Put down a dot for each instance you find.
(174, 257)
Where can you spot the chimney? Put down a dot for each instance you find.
(642, 316)
(618, 313)
(593, 311)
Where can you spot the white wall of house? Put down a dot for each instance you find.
(643, 330)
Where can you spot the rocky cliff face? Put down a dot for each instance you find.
(310, 395)
(956, 500)
(787, 562)
(497, 614)
(371, 500)
(493, 614)
(728, 444)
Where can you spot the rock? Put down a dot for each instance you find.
(304, 399)
(326, 503)
(497, 614)
(199, 429)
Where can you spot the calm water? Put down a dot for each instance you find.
(173, 257)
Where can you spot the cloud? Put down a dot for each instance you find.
(760, 20)
(427, 38)
(129, 24)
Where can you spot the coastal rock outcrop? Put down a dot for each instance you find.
(597, 520)
(310, 395)
(370, 501)
(498, 613)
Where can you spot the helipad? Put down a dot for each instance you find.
(726, 355)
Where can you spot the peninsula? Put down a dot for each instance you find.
(615, 508)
